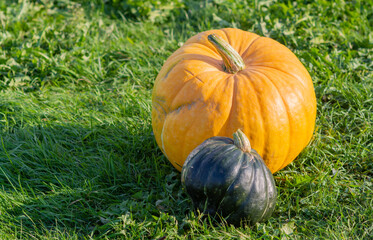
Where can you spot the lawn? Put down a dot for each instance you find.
(78, 159)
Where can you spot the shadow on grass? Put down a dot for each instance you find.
(84, 180)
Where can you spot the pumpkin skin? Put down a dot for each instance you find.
(272, 99)
(226, 181)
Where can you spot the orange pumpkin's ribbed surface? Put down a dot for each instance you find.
(272, 100)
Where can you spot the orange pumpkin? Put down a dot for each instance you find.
(228, 79)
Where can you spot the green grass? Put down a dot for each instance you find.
(77, 156)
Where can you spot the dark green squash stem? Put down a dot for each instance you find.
(241, 141)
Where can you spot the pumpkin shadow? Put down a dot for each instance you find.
(80, 180)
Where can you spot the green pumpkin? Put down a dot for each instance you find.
(225, 177)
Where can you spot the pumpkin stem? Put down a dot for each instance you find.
(233, 62)
(241, 141)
